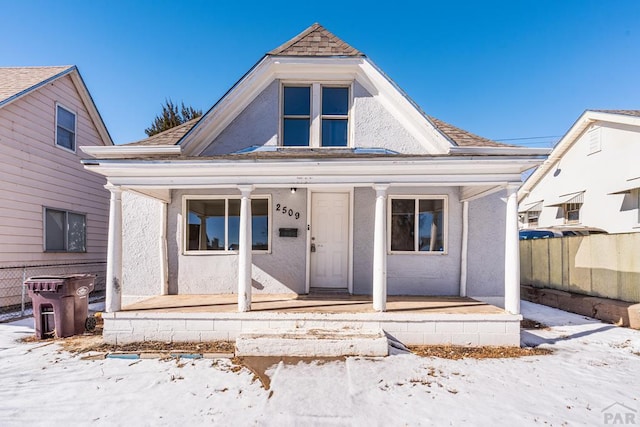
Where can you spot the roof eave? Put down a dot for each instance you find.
(30, 89)
(130, 151)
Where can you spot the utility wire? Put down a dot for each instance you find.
(530, 137)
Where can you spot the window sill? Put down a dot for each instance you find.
(68, 150)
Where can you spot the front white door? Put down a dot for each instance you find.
(329, 240)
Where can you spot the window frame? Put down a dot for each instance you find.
(296, 116)
(416, 199)
(226, 251)
(637, 191)
(65, 233)
(536, 216)
(324, 117)
(75, 128)
(565, 208)
(315, 120)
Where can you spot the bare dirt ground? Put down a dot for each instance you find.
(92, 342)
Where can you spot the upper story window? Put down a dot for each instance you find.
(296, 118)
(335, 116)
(65, 128)
(64, 231)
(315, 115)
(418, 224)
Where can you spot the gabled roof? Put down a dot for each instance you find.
(326, 55)
(630, 117)
(315, 41)
(169, 136)
(18, 81)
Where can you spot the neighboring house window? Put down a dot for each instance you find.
(64, 231)
(65, 128)
(572, 213)
(417, 224)
(638, 205)
(532, 218)
(213, 224)
(302, 103)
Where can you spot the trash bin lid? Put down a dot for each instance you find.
(50, 283)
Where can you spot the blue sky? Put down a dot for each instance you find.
(501, 69)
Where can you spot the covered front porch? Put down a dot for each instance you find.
(411, 320)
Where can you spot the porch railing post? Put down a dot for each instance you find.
(511, 254)
(380, 249)
(244, 251)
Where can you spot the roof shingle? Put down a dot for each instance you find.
(169, 136)
(315, 41)
(462, 137)
(16, 80)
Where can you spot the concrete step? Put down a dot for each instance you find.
(313, 343)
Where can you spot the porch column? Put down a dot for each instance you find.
(512, 254)
(380, 249)
(114, 252)
(244, 252)
(465, 248)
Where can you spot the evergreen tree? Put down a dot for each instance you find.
(171, 116)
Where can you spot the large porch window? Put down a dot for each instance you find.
(418, 224)
(213, 224)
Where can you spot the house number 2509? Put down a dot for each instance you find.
(285, 211)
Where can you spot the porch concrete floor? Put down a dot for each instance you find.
(330, 303)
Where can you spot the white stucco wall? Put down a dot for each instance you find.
(600, 174)
(376, 127)
(485, 259)
(407, 274)
(141, 247)
(281, 271)
(258, 124)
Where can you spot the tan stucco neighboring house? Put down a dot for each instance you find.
(52, 210)
(591, 178)
(314, 175)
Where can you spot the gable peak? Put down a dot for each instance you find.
(315, 41)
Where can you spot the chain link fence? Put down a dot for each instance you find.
(14, 298)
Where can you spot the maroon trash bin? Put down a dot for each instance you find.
(60, 303)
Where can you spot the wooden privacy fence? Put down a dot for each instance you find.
(603, 265)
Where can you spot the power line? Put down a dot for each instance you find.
(530, 137)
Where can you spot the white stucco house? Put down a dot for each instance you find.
(53, 212)
(313, 175)
(591, 178)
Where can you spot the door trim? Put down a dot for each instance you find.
(350, 191)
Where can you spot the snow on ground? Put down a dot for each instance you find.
(594, 366)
